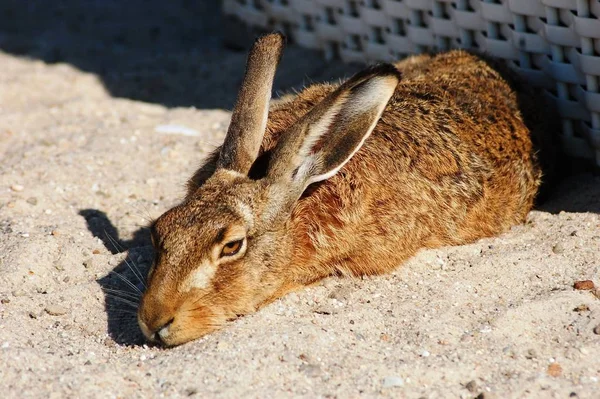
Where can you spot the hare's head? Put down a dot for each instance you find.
(221, 252)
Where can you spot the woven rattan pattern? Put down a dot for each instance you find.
(554, 44)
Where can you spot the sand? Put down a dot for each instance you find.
(90, 153)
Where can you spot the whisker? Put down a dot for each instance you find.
(142, 213)
(129, 283)
(124, 319)
(123, 300)
(122, 313)
(133, 268)
(125, 294)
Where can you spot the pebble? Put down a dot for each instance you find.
(554, 370)
(17, 187)
(4, 301)
(392, 381)
(88, 263)
(472, 386)
(55, 232)
(584, 285)
(17, 293)
(597, 330)
(582, 308)
(310, 370)
(56, 310)
(558, 248)
(531, 354)
(425, 354)
(32, 201)
(341, 294)
(325, 309)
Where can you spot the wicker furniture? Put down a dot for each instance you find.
(555, 44)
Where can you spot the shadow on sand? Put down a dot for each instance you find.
(124, 284)
(167, 52)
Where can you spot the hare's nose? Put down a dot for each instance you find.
(161, 333)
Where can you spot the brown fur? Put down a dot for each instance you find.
(450, 161)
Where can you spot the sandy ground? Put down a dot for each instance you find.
(87, 161)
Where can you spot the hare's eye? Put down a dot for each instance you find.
(232, 248)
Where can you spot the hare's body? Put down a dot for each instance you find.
(449, 162)
(347, 179)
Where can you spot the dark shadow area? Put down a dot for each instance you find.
(167, 52)
(574, 193)
(123, 286)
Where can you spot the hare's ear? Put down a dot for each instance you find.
(249, 118)
(322, 141)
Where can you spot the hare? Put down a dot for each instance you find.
(339, 179)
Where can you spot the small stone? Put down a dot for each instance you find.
(88, 263)
(582, 308)
(17, 187)
(341, 294)
(96, 251)
(325, 309)
(425, 354)
(223, 346)
(392, 381)
(472, 386)
(55, 232)
(311, 370)
(32, 201)
(32, 315)
(4, 301)
(56, 310)
(303, 357)
(597, 330)
(554, 370)
(17, 293)
(573, 233)
(66, 279)
(559, 248)
(190, 391)
(584, 285)
(531, 354)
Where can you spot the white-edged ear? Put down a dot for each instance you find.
(323, 141)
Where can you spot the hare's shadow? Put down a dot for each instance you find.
(123, 285)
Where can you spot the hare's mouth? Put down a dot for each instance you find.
(182, 328)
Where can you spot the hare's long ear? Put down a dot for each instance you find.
(322, 141)
(249, 118)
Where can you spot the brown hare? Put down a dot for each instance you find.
(340, 179)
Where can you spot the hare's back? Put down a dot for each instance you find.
(472, 93)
